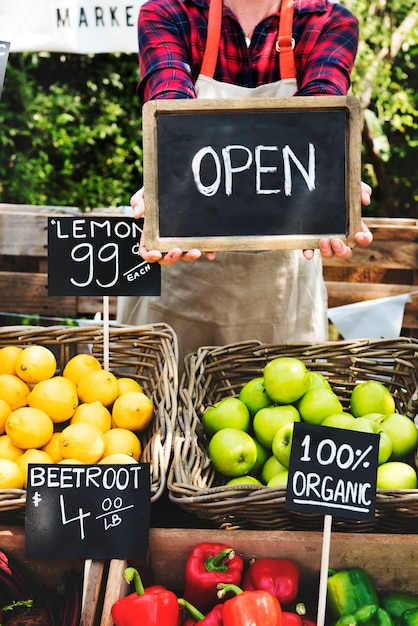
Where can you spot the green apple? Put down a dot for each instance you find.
(254, 395)
(403, 433)
(282, 444)
(365, 425)
(232, 451)
(371, 396)
(244, 480)
(373, 416)
(315, 405)
(268, 421)
(262, 456)
(286, 379)
(229, 412)
(270, 468)
(338, 420)
(396, 475)
(316, 379)
(279, 480)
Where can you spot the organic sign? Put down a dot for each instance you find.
(332, 471)
(251, 174)
(4, 55)
(87, 511)
(97, 256)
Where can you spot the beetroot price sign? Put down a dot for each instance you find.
(87, 511)
(333, 471)
(98, 256)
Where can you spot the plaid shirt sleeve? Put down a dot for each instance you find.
(172, 37)
(325, 67)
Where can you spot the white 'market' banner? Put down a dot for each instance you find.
(78, 26)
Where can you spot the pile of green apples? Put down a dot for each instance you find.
(250, 436)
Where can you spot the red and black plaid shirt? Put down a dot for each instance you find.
(172, 38)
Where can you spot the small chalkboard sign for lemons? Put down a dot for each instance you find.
(251, 174)
(87, 511)
(98, 256)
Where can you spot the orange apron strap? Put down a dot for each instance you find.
(285, 42)
(214, 35)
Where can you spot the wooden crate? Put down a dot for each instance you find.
(392, 566)
(24, 266)
(49, 573)
(388, 267)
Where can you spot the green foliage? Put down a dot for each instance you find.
(385, 79)
(71, 124)
(71, 130)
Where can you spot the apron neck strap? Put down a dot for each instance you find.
(284, 45)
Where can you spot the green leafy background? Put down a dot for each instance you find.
(71, 124)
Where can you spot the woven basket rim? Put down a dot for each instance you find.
(212, 372)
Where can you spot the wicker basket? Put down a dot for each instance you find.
(213, 373)
(146, 353)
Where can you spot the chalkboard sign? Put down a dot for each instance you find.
(97, 256)
(333, 471)
(4, 55)
(87, 511)
(251, 174)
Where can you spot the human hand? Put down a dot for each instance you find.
(335, 246)
(155, 256)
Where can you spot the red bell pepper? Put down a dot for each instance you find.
(207, 565)
(152, 606)
(279, 576)
(291, 619)
(250, 608)
(213, 618)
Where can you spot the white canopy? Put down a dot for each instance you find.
(77, 26)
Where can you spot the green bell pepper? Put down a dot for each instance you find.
(409, 617)
(367, 615)
(396, 602)
(348, 590)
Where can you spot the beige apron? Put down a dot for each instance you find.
(272, 296)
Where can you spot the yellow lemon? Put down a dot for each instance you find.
(29, 428)
(81, 441)
(56, 396)
(35, 363)
(53, 448)
(79, 365)
(8, 450)
(93, 413)
(133, 410)
(122, 441)
(11, 476)
(32, 455)
(70, 462)
(14, 391)
(117, 459)
(99, 385)
(8, 357)
(126, 384)
(5, 411)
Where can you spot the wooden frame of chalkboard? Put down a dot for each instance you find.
(251, 174)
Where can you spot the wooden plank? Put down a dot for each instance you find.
(381, 254)
(116, 587)
(94, 573)
(23, 292)
(389, 568)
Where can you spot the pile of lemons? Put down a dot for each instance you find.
(84, 415)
